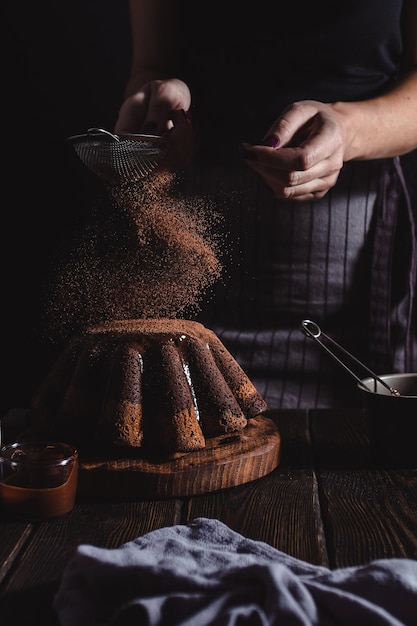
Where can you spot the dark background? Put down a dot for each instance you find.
(65, 66)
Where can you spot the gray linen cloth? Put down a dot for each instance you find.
(204, 574)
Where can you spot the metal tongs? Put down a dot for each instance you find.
(313, 330)
(119, 158)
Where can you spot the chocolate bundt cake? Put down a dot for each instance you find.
(149, 384)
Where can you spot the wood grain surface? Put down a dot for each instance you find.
(327, 502)
(226, 461)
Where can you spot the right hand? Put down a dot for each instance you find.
(161, 107)
(310, 140)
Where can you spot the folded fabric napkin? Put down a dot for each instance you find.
(204, 574)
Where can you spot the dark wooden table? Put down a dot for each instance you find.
(327, 503)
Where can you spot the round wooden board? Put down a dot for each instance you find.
(226, 461)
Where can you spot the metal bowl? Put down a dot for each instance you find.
(392, 420)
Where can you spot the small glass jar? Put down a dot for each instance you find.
(38, 480)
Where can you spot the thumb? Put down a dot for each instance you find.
(285, 128)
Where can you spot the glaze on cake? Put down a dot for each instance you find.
(146, 384)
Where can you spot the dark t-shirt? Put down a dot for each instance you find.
(245, 66)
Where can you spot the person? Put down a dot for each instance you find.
(295, 119)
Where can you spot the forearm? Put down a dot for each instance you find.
(153, 33)
(385, 126)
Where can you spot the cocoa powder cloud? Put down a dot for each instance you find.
(155, 255)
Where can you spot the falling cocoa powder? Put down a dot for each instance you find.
(155, 255)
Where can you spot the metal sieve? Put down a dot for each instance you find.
(119, 158)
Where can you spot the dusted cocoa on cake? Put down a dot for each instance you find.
(160, 385)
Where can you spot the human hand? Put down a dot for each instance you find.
(161, 107)
(302, 152)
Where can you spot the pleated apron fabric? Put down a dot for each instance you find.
(346, 261)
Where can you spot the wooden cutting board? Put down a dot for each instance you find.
(226, 461)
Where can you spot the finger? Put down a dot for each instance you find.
(272, 168)
(164, 106)
(181, 117)
(157, 121)
(311, 131)
(286, 159)
(132, 114)
(295, 188)
(283, 130)
(311, 190)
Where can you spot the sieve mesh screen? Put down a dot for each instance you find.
(119, 158)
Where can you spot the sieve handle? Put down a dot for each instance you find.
(106, 135)
(102, 133)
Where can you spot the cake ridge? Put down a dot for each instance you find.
(152, 384)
